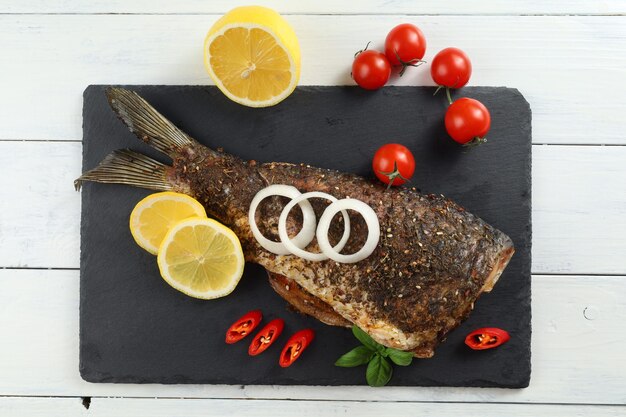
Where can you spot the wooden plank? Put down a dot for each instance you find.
(574, 342)
(380, 7)
(106, 407)
(579, 209)
(569, 68)
(41, 407)
(579, 222)
(156, 407)
(40, 221)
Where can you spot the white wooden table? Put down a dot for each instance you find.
(568, 57)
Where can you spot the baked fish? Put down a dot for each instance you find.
(432, 262)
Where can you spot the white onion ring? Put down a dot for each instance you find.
(373, 227)
(302, 239)
(284, 237)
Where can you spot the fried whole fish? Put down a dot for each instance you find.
(433, 260)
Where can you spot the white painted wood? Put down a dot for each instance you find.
(41, 407)
(575, 359)
(380, 7)
(39, 208)
(244, 408)
(579, 209)
(167, 407)
(571, 69)
(579, 221)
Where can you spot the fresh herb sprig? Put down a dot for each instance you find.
(376, 356)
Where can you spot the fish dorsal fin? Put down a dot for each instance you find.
(148, 124)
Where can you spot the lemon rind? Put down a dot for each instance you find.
(142, 205)
(246, 102)
(220, 228)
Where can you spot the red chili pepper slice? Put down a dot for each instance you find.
(244, 326)
(486, 338)
(266, 336)
(295, 346)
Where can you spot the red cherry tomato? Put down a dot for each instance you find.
(244, 326)
(451, 68)
(295, 346)
(405, 45)
(393, 164)
(467, 120)
(371, 70)
(266, 336)
(486, 338)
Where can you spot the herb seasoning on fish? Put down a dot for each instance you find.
(420, 282)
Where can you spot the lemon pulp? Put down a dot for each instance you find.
(153, 216)
(201, 258)
(253, 56)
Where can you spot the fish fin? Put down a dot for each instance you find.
(124, 166)
(148, 124)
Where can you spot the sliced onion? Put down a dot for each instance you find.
(284, 237)
(373, 230)
(302, 239)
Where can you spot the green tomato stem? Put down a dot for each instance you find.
(393, 175)
(448, 95)
(412, 63)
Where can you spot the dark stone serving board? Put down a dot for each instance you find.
(135, 328)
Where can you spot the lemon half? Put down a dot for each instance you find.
(153, 216)
(253, 56)
(201, 258)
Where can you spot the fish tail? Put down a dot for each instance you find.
(124, 166)
(147, 123)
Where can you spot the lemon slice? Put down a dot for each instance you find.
(253, 56)
(201, 258)
(153, 216)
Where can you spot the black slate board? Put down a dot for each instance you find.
(135, 328)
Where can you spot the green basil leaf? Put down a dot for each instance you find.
(360, 355)
(366, 339)
(378, 371)
(400, 357)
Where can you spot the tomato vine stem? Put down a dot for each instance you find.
(362, 50)
(475, 142)
(412, 63)
(448, 95)
(393, 175)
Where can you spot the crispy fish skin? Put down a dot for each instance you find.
(433, 261)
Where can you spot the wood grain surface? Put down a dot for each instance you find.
(570, 185)
(567, 57)
(325, 7)
(166, 407)
(43, 361)
(570, 68)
